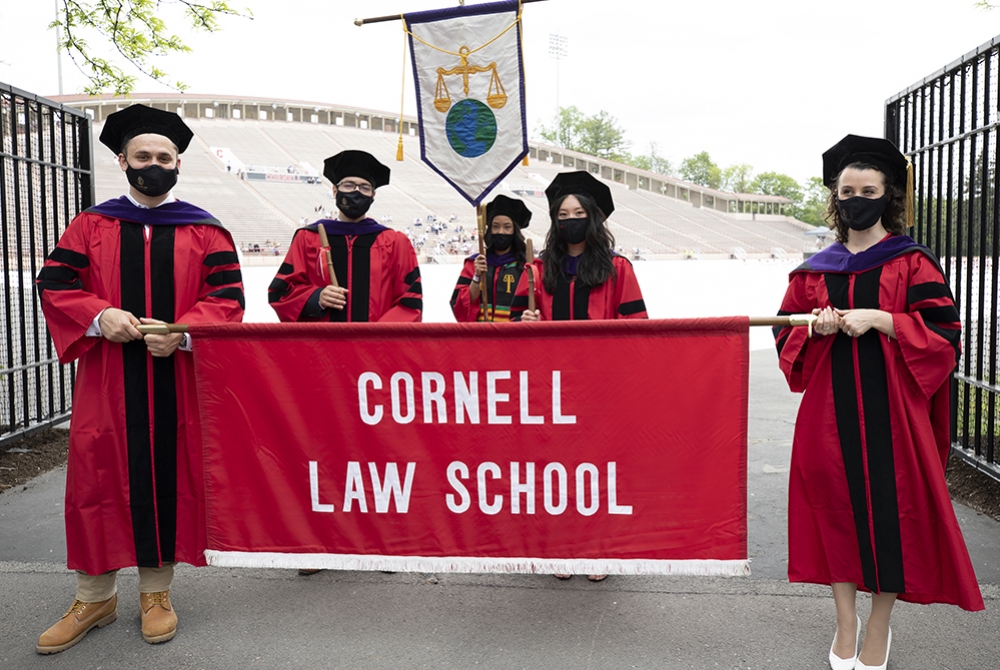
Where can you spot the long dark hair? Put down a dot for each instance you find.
(595, 266)
(893, 218)
(517, 247)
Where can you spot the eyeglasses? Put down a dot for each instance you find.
(348, 186)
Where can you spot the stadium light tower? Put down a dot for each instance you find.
(59, 48)
(558, 49)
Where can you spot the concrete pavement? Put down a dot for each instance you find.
(237, 618)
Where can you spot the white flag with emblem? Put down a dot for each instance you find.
(469, 78)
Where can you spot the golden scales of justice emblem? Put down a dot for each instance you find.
(496, 95)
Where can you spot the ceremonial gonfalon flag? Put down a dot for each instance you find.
(469, 79)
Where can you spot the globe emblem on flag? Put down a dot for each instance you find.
(471, 128)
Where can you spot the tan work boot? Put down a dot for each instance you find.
(76, 623)
(159, 621)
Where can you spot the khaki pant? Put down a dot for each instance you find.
(97, 588)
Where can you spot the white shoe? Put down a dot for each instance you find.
(862, 666)
(838, 663)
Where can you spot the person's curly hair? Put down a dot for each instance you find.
(893, 218)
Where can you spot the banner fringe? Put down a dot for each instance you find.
(464, 564)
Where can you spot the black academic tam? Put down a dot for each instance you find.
(137, 120)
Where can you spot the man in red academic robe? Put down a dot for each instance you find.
(375, 267)
(134, 492)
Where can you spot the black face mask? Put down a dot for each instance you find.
(152, 180)
(502, 241)
(354, 205)
(862, 213)
(573, 231)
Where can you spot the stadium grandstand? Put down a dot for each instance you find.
(256, 164)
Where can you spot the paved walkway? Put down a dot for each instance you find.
(238, 618)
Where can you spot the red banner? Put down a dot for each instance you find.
(583, 447)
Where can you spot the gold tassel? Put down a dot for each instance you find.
(908, 208)
(402, 93)
(524, 161)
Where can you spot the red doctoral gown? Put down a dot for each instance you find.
(134, 485)
(378, 269)
(501, 285)
(617, 298)
(868, 503)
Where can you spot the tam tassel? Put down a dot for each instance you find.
(908, 208)
(402, 93)
(524, 161)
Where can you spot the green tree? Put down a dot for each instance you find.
(597, 135)
(775, 183)
(601, 136)
(135, 32)
(737, 178)
(814, 201)
(653, 161)
(565, 128)
(700, 169)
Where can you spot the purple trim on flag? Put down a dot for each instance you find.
(455, 12)
(473, 10)
(176, 213)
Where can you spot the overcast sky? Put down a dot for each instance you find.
(772, 83)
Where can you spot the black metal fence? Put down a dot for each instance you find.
(46, 177)
(949, 126)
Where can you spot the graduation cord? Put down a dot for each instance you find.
(467, 52)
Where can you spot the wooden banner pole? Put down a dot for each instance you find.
(794, 320)
(481, 223)
(397, 17)
(529, 267)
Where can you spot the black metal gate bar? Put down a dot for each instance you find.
(949, 126)
(46, 177)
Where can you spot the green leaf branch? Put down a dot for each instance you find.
(136, 32)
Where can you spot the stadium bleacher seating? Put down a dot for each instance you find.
(645, 224)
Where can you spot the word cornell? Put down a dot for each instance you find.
(460, 403)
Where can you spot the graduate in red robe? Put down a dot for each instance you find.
(134, 491)
(578, 275)
(868, 505)
(376, 268)
(501, 267)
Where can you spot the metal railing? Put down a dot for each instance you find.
(949, 126)
(46, 177)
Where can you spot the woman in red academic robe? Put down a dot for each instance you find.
(579, 276)
(501, 267)
(868, 505)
